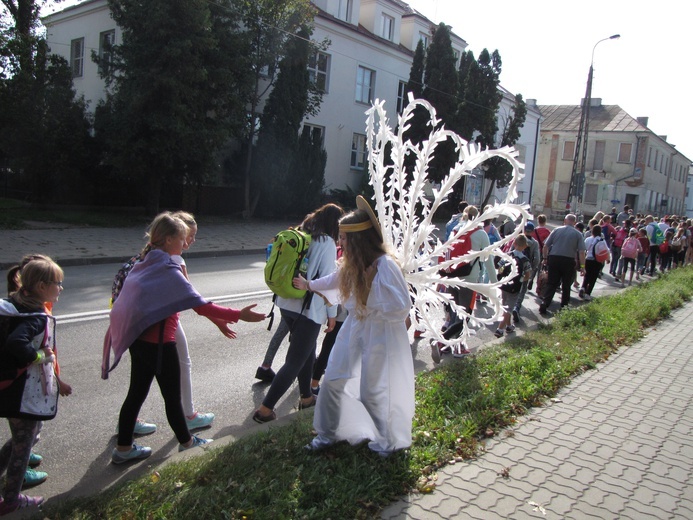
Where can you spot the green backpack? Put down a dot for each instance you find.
(286, 260)
(658, 235)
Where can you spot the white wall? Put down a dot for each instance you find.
(340, 114)
(70, 24)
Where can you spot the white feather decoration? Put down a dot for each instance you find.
(411, 234)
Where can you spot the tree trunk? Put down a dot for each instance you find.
(488, 194)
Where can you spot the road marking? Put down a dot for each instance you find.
(79, 317)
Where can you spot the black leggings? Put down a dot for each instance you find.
(144, 359)
(299, 358)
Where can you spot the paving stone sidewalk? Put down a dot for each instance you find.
(86, 245)
(617, 443)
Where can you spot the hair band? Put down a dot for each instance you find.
(354, 228)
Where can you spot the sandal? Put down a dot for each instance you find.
(262, 419)
(303, 406)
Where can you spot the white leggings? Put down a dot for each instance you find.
(185, 372)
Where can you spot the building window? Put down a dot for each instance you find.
(521, 151)
(358, 152)
(387, 30)
(649, 157)
(319, 70)
(599, 147)
(77, 57)
(365, 80)
(568, 150)
(563, 188)
(317, 133)
(624, 152)
(106, 43)
(401, 96)
(591, 191)
(424, 38)
(345, 10)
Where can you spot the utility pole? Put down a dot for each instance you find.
(577, 175)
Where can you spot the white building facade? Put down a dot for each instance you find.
(369, 57)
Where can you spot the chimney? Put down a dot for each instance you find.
(643, 120)
(531, 102)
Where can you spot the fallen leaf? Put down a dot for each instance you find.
(538, 507)
(505, 473)
(556, 400)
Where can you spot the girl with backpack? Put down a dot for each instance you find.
(305, 316)
(33, 477)
(30, 386)
(630, 250)
(144, 320)
(368, 389)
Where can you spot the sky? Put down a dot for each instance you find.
(546, 48)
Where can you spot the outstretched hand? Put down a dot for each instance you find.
(224, 327)
(248, 314)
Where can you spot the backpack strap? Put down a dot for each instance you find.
(270, 315)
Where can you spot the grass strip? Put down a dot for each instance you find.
(270, 475)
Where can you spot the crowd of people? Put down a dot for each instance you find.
(355, 289)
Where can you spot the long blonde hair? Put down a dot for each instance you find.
(164, 225)
(362, 249)
(32, 274)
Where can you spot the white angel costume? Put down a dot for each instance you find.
(368, 388)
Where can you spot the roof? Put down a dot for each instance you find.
(603, 118)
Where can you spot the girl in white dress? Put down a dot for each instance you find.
(368, 388)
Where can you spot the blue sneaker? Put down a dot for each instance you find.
(199, 420)
(35, 459)
(197, 442)
(135, 453)
(142, 428)
(33, 478)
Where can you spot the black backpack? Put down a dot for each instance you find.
(514, 285)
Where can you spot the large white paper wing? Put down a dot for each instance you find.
(406, 214)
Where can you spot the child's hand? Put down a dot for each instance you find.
(224, 327)
(300, 283)
(64, 388)
(331, 322)
(248, 314)
(45, 356)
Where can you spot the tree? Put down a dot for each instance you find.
(44, 130)
(415, 85)
(499, 171)
(479, 97)
(435, 80)
(267, 24)
(440, 89)
(278, 168)
(308, 172)
(177, 91)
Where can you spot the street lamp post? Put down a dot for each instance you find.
(577, 176)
